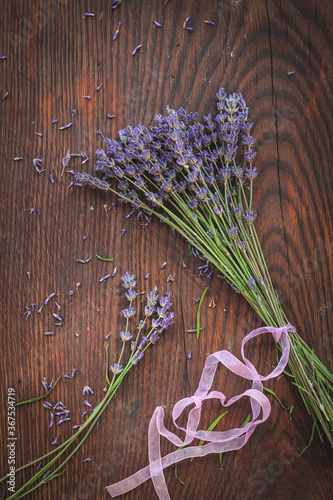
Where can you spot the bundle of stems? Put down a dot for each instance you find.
(157, 318)
(198, 178)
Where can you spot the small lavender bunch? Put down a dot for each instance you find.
(156, 320)
(198, 178)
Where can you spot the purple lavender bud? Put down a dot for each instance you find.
(291, 73)
(52, 123)
(115, 4)
(87, 403)
(39, 134)
(136, 49)
(56, 316)
(52, 178)
(87, 460)
(186, 21)
(147, 276)
(157, 24)
(17, 158)
(47, 405)
(125, 336)
(233, 232)
(189, 355)
(84, 413)
(249, 217)
(99, 87)
(210, 23)
(3, 58)
(111, 116)
(122, 231)
(88, 97)
(39, 310)
(184, 265)
(49, 298)
(262, 281)
(73, 112)
(107, 336)
(44, 383)
(163, 265)
(114, 272)
(87, 390)
(55, 441)
(252, 282)
(49, 333)
(51, 420)
(66, 376)
(66, 126)
(73, 372)
(89, 14)
(129, 312)
(154, 337)
(31, 211)
(5, 96)
(136, 358)
(103, 280)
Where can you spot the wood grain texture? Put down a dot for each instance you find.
(56, 56)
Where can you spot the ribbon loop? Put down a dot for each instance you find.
(217, 442)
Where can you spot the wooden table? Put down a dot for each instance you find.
(55, 56)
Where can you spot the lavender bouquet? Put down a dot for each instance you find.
(157, 318)
(198, 178)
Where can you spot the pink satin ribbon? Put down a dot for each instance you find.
(218, 442)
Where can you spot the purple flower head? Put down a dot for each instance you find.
(165, 301)
(125, 336)
(130, 294)
(167, 321)
(115, 368)
(233, 232)
(249, 217)
(250, 155)
(154, 337)
(251, 174)
(129, 312)
(128, 280)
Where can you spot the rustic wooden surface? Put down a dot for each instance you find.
(56, 56)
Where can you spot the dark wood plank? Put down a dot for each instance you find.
(56, 56)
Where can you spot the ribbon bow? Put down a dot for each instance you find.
(218, 442)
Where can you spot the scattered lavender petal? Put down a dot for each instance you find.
(83, 261)
(71, 172)
(51, 420)
(99, 132)
(47, 405)
(184, 265)
(55, 441)
(189, 29)
(44, 383)
(189, 355)
(210, 23)
(3, 58)
(196, 300)
(89, 14)
(66, 376)
(73, 372)
(49, 333)
(4, 96)
(114, 272)
(99, 87)
(136, 49)
(87, 403)
(84, 413)
(17, 158)
(158, 24)
(88, 97)
(59, 324)
(54, 120)
(193, 330)
(186, 21)
(28, 274)
(49, 298)
(66, 126)
(84, 238)
(40, 310)
(63, 420)
(115, 4)
(291, 73)
(52, 178)
(123, 231)
(111, 116)
(87, 460)
(163, 265)
(147, 276)
(31, 211)
(55, 315)
(171, 277)
(107, 336)
(39, 134)
(102, 280)
(74, 112)
(86, 158)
